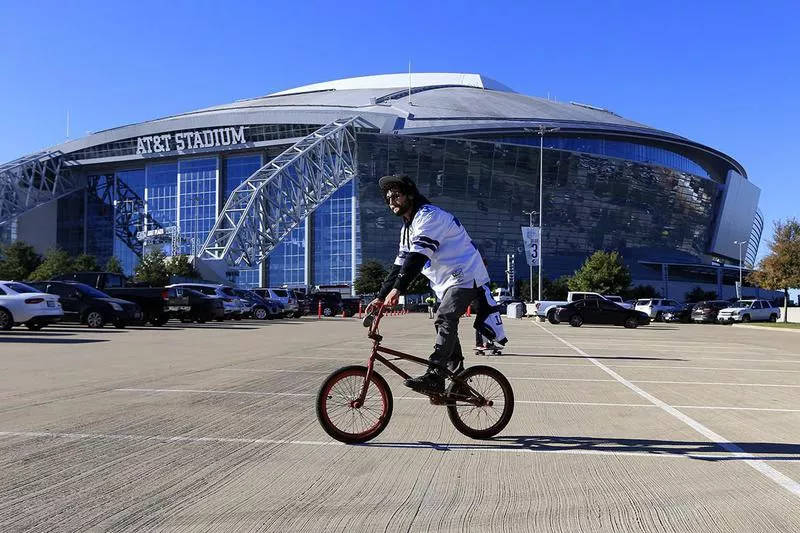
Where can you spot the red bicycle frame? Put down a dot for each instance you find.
(377, 350)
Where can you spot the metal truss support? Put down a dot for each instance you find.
(280, 195)
(132, 224)
(34, 180)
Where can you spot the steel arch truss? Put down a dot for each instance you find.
(34, 180)
(280, 195)
(132, 224)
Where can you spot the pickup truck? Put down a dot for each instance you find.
(154, 301)
(547, 309)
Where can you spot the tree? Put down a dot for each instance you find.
(85, 263)
(603, 272)
(18, 261)
(113, 265)
(698, 295)
(180, 266)
(556, 289)
(370, 277)
(56, 263)
(642, 291)
(780, 270)
(152, 269)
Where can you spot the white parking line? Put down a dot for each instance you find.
(760, 466)
(493, 448)
(424, 398)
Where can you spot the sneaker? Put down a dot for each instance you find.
(427, 382)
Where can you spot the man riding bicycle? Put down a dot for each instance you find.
(433, 242)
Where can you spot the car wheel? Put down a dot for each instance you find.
(327, 311)
(773, 318)
(33, 326)
(260, 313)
(660, 316)
(160, 320)
(631, 322)
(94, 319)
(576, 321)
(552, 318)
(6, 320)
(745, 318)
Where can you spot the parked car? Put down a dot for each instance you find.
(233, 307)
(596, 311)
(286, 297)
(749, 310)
(202, 308)
(331, 303)
(655, 307)
(619, 301)
(547, 308)
(258, 307)
(706, 311)
(351, 306)
(23, 304)
(86, 305)
(153, 301)
(682, 313)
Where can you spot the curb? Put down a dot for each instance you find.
(765, 328)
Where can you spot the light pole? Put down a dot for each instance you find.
(540, 255)
(530, 260)
(740, 243)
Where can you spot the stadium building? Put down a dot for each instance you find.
(282, 189)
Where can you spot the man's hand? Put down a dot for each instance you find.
(374, 303)
(392, 298)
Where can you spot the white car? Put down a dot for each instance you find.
(21, 304)
(747, 310)
(656, 307)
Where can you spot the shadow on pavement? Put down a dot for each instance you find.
(701, 450)
(47, 340)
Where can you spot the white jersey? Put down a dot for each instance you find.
(453, 259)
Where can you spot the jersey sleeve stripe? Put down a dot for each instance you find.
(428, 239)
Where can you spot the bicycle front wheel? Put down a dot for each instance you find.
(336, 409)
(481, 420)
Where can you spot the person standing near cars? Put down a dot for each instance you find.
(431, 301)
(433, 242)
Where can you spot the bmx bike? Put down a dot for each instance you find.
(355, 403)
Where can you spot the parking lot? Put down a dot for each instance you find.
(212, 427)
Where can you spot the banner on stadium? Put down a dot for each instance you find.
(530, 236)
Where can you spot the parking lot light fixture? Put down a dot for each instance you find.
(542, 131)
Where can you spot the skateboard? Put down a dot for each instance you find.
(492, 349)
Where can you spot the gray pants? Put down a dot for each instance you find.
(447, 351)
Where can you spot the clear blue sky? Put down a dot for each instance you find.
(726, 74)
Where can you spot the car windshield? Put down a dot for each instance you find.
(743, 304)
(90, 291)
(21, 288)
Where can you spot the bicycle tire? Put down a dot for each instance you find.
(467, 417)
(335, 413)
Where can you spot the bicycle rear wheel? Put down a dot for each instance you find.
(337, 414)
(481, 421)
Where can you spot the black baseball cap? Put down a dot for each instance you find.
(397, 181)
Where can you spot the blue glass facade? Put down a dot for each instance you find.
(236, 170)
(287, 263)
(333, 239)
(197, 198)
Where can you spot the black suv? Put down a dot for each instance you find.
(707, 311)
(331, 303)
(87, 305)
